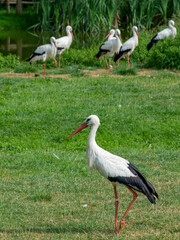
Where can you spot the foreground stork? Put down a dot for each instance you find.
(64, 43)
(128, 47)
(116, 169)
(168, 32)
(110, 47)
(43, 52)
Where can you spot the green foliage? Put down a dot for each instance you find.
(25, 67)
(124, 70)
(8, 62)
(84, 56)
(165, 54)
(96, 15)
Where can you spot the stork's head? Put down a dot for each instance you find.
(69, 29)
(171, 23)
(118, 33)
(112, 32)
(53, 41)
(135, 29)
(90, 121)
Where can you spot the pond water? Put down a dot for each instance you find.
(23, 43)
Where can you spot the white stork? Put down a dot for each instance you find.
(116, 169)
(111, 36)
(168, 32)
(128, 47)
(43, 52)
(110, 47)
(64, 43)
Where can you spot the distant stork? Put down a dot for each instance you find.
(110, 47)
(128, 47)
(64, 43)
(43, 52)
(116, 169)
(168, 32)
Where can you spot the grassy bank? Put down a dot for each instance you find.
(46, 189)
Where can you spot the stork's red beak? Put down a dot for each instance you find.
(108, 35)
(72, 35)
(55, 44)
(84, 125)
(137, 33)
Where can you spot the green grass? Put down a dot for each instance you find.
(46, 189)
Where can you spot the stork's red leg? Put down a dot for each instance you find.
(116, 208)
(55, 62)
(44, 68)
(59, 61)
(106, 63)
(134, 198)
(128, 60)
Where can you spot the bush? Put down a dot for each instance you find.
(165, 54)
(82, 56)
(8, 62)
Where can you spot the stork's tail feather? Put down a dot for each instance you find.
(100, 54)
(97, 55)
(137, 182)
(150, 44)
(121, 53)
(117, 56)
(29, 59)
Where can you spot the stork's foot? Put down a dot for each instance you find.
(106, 65)
(55, 63)
(121, 225)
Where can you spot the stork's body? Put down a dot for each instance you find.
(64, 43)
(166, 33)
(110, 47)
(128, 47)
(43, 52)
(116, 169)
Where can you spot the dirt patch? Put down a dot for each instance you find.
(103, 72)
(96, 73)
(92, 73)
(32, 75)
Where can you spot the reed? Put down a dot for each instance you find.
(96, 15)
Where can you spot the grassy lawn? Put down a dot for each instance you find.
(46, 189)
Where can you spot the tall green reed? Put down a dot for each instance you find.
(96, 15)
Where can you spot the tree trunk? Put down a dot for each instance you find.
(7, 6)
(19, 7)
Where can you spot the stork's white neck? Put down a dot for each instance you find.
(171, 26)
(92, 134)
(135, 34)
(69, 34)
(92, 146)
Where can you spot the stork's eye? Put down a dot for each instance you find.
(88, 120)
